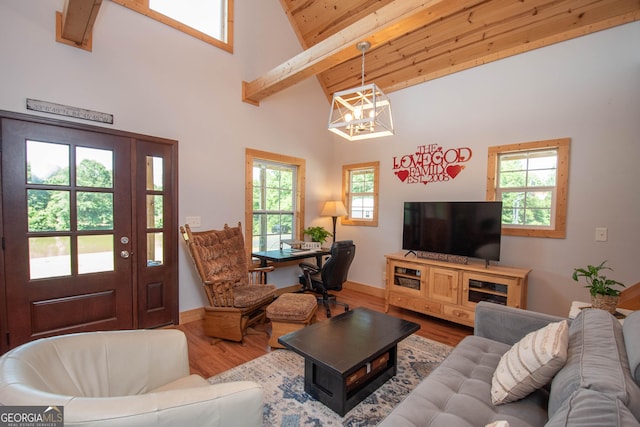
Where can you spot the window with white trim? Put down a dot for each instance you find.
(360, 193)
(531, 181)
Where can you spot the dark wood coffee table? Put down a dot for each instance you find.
(348, 356)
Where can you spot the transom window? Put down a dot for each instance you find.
(275, 189)
(208, 20)
(530, 179)
(360, 193)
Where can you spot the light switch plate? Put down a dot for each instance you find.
(193, 221)
(601, 234)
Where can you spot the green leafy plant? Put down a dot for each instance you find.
(597, 283)
(317, 234)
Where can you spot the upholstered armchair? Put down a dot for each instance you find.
(237, 294)
(124, 378)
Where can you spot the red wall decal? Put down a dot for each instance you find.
(431, 163)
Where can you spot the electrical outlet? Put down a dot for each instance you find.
(601, 234)
(193, 221)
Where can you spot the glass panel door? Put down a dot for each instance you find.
(66, 196)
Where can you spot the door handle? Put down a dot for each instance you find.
(124, 254)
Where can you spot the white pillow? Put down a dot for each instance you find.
(530, 363)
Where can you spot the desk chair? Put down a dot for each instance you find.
(331, 275)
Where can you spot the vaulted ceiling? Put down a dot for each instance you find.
(413, 41)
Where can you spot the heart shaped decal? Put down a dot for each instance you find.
(403, 174)
(454, 170)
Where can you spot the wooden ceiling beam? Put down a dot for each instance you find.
(75, 24)
(391, 21)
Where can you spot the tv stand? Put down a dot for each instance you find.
(410, 252)
(449, 290)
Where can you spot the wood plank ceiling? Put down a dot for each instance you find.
(413, 41)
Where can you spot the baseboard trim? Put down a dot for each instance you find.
(365, 289)
(288, 289)
(198, 313)
(191, 315)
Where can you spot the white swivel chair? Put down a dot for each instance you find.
(124, 378)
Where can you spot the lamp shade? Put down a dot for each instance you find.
(361, 113)
(333, 208)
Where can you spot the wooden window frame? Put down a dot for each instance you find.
(142, 6)
(300, 164)
(346, 171)
(559, 210)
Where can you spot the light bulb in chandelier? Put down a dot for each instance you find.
(348, 117)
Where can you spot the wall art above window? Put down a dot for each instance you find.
(431, 163)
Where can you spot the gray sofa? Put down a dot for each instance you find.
(597, 386)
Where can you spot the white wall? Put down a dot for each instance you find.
(158, 81)
(587, 89)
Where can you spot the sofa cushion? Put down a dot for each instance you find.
(597, 360)
(458, 393)
(587, 408)
(531, 363)
(632, 343)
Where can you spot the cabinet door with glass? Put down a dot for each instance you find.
(491, 288)
(407, 278)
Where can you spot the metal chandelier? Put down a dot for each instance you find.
(363, 112)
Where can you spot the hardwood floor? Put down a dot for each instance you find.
(208, 359)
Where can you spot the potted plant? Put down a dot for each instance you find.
(603, 293)
(317, 234)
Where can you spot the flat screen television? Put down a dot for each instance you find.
(467, 229)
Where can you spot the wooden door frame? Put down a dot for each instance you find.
(171, 228)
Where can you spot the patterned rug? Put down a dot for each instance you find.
(281, 373)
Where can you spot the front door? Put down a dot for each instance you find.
(72, 256)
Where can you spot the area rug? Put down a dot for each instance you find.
(281, 373)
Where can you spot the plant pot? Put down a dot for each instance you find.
(605, 302)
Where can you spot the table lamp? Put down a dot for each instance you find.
(334, 209)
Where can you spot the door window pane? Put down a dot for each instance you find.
(154, 211)
(155, 249)
(94, 210)
(154, 173)
(94, 167)
(49, 256)
(47, 163)
(48, 210)
(95, 254)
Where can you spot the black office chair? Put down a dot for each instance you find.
(331, 275)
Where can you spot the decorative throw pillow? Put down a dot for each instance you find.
(531, 363)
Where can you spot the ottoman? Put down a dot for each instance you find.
(289, 313)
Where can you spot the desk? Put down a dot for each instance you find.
(285, 255)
